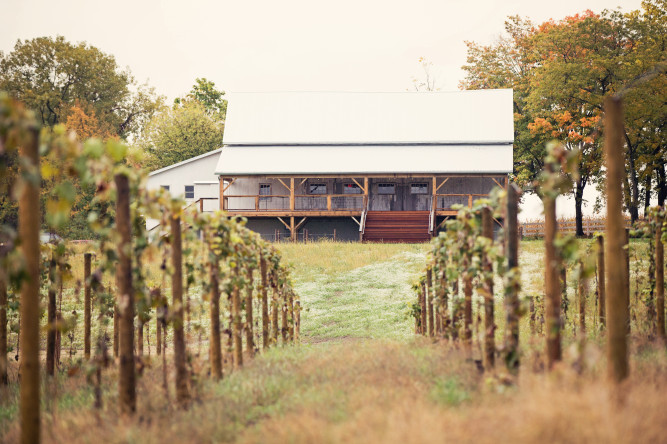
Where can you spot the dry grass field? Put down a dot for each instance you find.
(360, 375)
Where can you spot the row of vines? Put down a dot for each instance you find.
(207, 254)
(467, 255)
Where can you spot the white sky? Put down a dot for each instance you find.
(270, 45)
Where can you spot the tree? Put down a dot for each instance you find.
(179, 133)
(205, 92)
(50, 75)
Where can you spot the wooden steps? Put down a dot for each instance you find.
(397, 226)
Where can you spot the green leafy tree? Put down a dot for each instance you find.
(205, 92)
(179, 133)
(50, 75)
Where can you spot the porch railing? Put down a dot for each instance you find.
(302, 202)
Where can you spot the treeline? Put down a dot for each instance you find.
(561, 71)
(121, 290)
(84, 89)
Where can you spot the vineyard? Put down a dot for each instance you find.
(199, 330)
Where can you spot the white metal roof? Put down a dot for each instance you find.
(373, 159)
(192, 159)
(480, 116)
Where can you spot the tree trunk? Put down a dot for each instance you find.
(581, 290)
(552, 284)
(29, 215)
(51, 319)
(250, 340)
(647, 193)
(87, 307)
(216, 347)
(578, 210)
(617, 320)
(633, 208)
(181, 382)
(125, 299)
(661, 184)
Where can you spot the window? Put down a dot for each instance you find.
(351, 188)
(419, 188)
(165, 187)
(386, 188)
(189, 191)
(318, 188)
(264, 189)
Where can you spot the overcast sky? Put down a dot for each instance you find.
(245, 45)
(290, 45)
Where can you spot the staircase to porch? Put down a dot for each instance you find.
(397, 226)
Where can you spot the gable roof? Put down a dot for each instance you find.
(190, 160)
(317, 118)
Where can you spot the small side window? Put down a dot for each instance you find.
(318, 188)
(189, 191)
(386, 188)
(264, 189)
(165, 187)
(418, 188)
(351, 188)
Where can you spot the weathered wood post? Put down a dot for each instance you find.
(125, 299)
(626, 271)
(423, 308)
(51, 318)
(581, 290)
(553, 286)
(216, 344)
(236, 321)
(3, 323)
(429, 297)
(87, 305)
(283, 307)
(297, 322)
(601, 281)
(489, 324)
(181, 382)
(659, 280)
(250, 340)
(531, 309)
(617, 296)
(274, 310)
(265, 302)
(512, 297)
(29, 219)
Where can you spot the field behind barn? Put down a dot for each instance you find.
(361, 375)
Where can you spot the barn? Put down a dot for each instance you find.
(361, 166)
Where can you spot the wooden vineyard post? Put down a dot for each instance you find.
(489, 324)
(51, 319)
(236, 322)
(297, 321)
(512, 296)
(125, 299)
(265, 303)
(3, 324)
(250, 340)
(564, 301)
(581, 292)
(659, 280)
(423, 309)
(531, 309)
(626, 271)
(29, 221)
(552, 302)
(290, 308)
(216, 346)
(283, 308)
(429, 297)
(438, 302)
(617, 314)
(181, 382)
(86, 305)
(116, 318)
(274, 311)
(601, 281)
(467, 312)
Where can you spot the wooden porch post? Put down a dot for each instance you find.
(292, 229)
(291, 196)
(222, 193)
